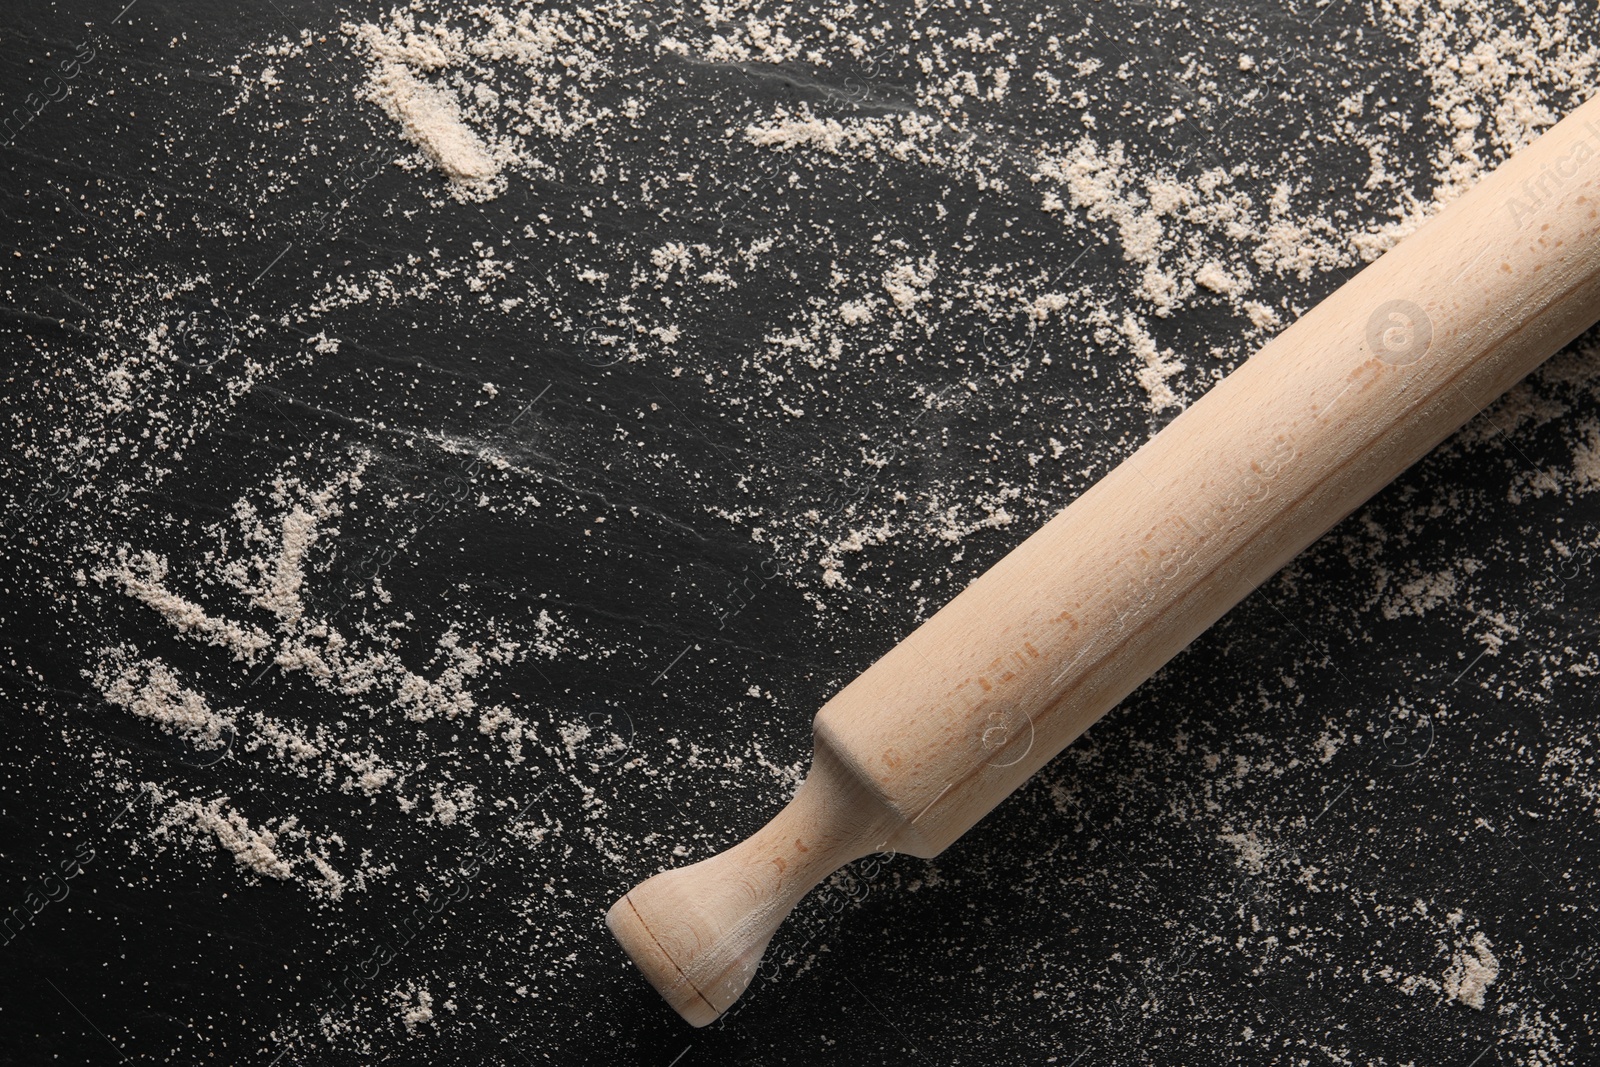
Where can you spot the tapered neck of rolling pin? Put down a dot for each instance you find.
(698, 932)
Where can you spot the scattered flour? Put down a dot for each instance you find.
(141, 576)
(1422, 594)
(430, 118)
(416, 1007)
(1472, 971)
(253, 849)
(473, 92)
(486, 97)
(907, 281)
(1157, 367)
(149, 689)
(1251, 855)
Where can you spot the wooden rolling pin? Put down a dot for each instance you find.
(937, 732)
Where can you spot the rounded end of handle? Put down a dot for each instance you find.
(697, 933)
(696, 961)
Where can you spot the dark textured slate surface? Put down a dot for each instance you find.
(1244, 863)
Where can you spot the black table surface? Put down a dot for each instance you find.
(660, 519)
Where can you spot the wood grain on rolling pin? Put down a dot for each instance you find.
(966, 708)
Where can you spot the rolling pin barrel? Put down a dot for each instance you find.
(920, 746)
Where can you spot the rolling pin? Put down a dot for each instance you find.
(927, 740)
